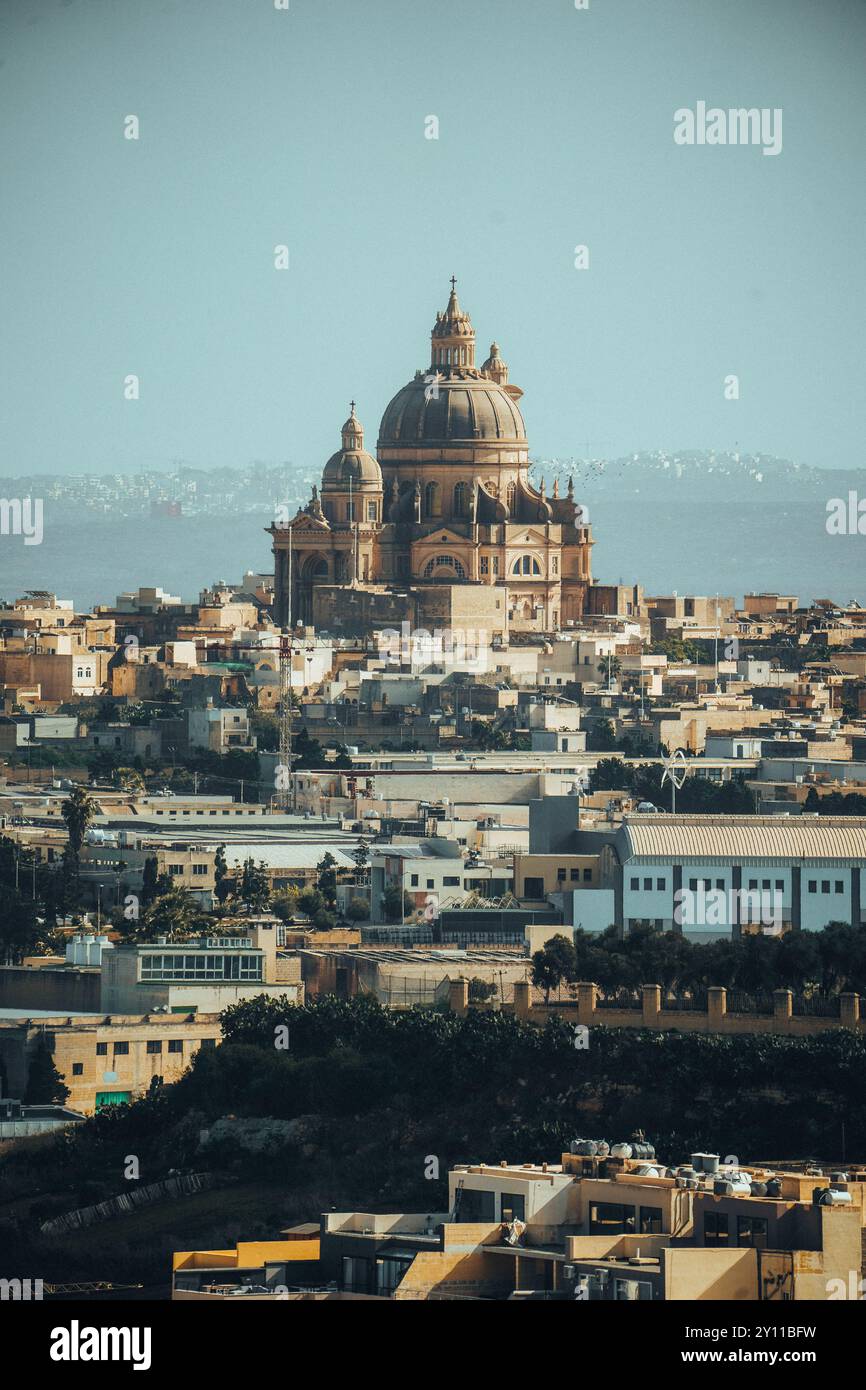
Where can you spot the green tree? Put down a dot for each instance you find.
(44, 1082)
(326, 880)
(555, 962)
(77, 811)
(222, 882)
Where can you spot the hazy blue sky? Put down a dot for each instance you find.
(306, 127)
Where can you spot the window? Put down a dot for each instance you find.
(635, 885)
(208, 1042)
(533, 888)
(444, 561)
(825, 885)
(513, 1203)
(431, 500)
(484, 564)
(121, 1049)
(780, 885)
(560, 875)
(413, 880)
(693, 885)
(430, 883)
(371, 511)
(496, 566)
(650, 1221)
(175, 870)
(647, 884)
(752, 1230)
(102, 1049)
(574, 875)
(460, 499)
(555, 564)
(660, 884)
(451, 881)
(720, 883)
(813, 886)
(199, 870)
(526, 564)
(839, 886)
(477, 1206)
(154, 1046)
(587, 875)
(175, 1044)
(715, 1228)
(77, 1068)
(610, 1219)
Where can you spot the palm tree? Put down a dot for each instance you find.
(610, 667)
(78, 811)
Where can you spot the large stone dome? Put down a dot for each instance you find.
(453, 402)
(461, 408)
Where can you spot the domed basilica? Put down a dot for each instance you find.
(443, 525)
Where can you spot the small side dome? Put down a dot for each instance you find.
(352, 467)
(495, 368)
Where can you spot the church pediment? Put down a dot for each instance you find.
(442, 536)
(305, 521)
(524, 535)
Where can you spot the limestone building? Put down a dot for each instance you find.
(443, 525)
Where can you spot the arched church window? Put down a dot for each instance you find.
(511, 496)
(431, 500)
(461, 493)
(444, 562)
(526, 564)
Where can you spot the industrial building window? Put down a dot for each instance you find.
(154, 1045)
(635, 884)
(560, 875)
(839, 885)
(451, 881)
(121, 1049)
(610, 1219)
(720, 883)
(513, 1203)
(647, 883)
(199, 870)
(414, 880)
(102, 1049)
(587, 876)
(175, 1044)
(650, 1221)
(77, 1068)
(813, 886)
(575, 875)
(825, 885)
(752, 1230)
(693, 885)
(477, 1206)
(660, 884)
(533, 888)
(715, 1228)
(780, 884)
(208, 1042)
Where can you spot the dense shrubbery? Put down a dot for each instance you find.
(828, 962)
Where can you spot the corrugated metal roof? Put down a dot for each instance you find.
(744, 837)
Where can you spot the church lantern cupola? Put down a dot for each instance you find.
(453, 337)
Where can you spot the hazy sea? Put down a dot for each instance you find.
(685, 546)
